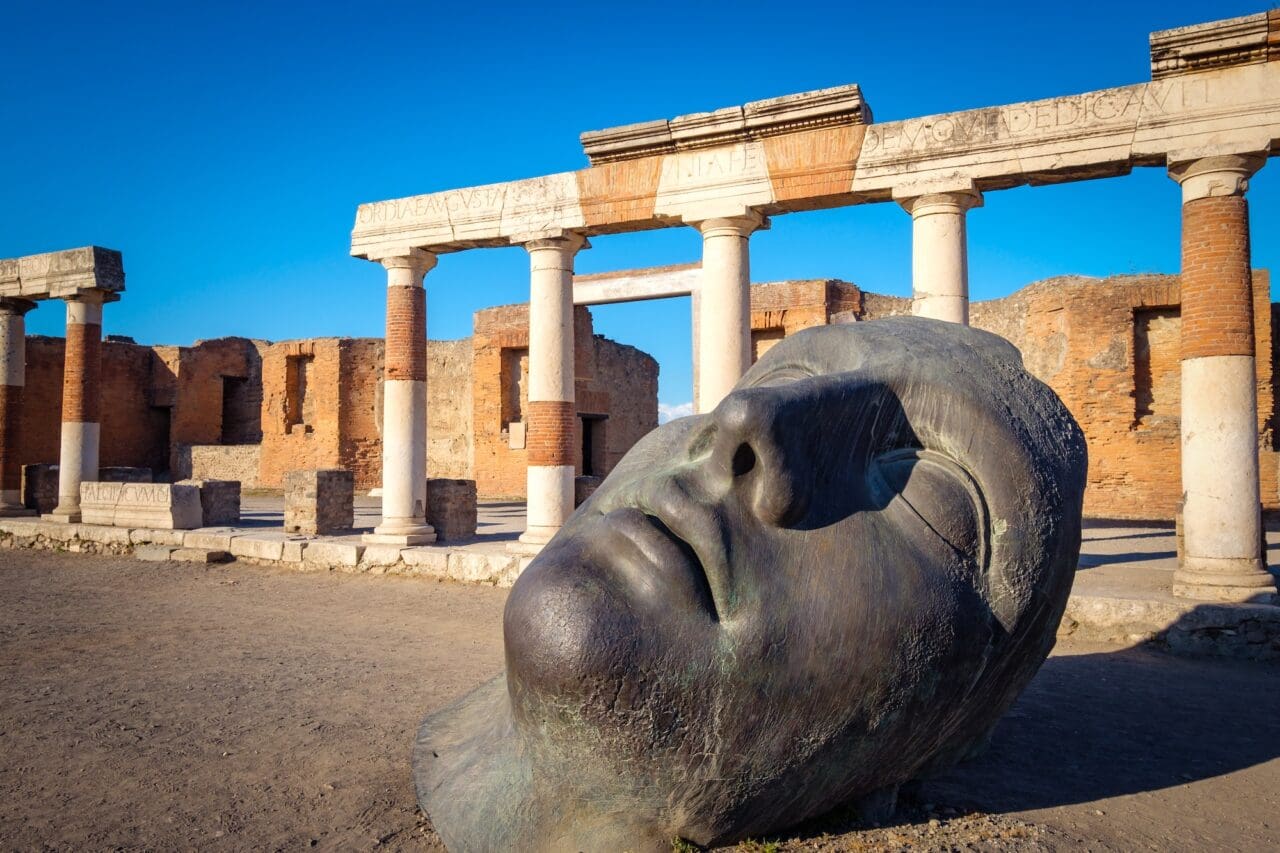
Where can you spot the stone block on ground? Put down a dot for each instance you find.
(199, 555)
(426, 560)
(156, 505)
(216, 539)
(319, 501)
(219, 500)
(332, 555)
(153, 553)
(40, 487)
(451, 508)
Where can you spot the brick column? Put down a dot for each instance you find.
(940, 253)
(13, 361)
(552, 409)
(404, 404)
(81, 403)
(724, 306)
(1222, 522)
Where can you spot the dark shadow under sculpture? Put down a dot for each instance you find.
(834, 583)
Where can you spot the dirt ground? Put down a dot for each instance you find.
(166, 706)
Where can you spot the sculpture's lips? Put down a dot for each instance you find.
(675, 534)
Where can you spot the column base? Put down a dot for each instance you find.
(63, 516)
(533, 539)
(1225, 580)
(403, 532)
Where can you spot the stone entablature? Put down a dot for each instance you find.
(839, 105)
(1228, 108)
(58, 275)
(1247, 40)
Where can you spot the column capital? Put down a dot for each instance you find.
(928, 197)
(564, 241)
(733, 226)
(1224, 174)
(418, 261)
(14, 306)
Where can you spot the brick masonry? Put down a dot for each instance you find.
(1217, 310)
(82, 376)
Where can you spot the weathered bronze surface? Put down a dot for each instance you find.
(834, 583)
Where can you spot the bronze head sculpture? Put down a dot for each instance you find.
(834, 583)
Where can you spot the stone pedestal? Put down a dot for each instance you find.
(81, 403)
(451, 508)
(159, 506)
(552, 411)
(219, 501)
(404, 405)
(1223, 557)
(319, 502)
(13, 360)
(939, 251)
(724, 306)
(40, 487)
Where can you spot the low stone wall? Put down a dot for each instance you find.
(239, 462)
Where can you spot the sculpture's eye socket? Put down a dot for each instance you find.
(927, 492)
(783, 375)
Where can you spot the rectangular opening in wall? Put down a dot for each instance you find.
(593, 445)
(763, 340)
(1157, 366)
(515, 384)
(241, 411)
(299, 407)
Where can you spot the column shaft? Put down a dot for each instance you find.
(724, 307)
(81, 404)
(552, 408)
(13, 358)
(404, 405)
(1222, 523)
(940, 254)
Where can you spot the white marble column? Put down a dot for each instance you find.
(1223, 552)
(724, 306)
(81, 403)
(940, 253)
(552, 410)
(13, 360)
(404, 404)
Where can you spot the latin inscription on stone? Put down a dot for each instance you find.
(158, 505)
(436, 207)
(697, 168)
(1049, 118)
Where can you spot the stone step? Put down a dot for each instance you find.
(163, 553)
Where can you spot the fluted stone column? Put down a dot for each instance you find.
(552, 409)
(1222, 524)
(940, 253)
(13, 361)
(724, 306)
(81, 402)
(404, 404)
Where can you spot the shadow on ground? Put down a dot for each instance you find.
(1095, 726)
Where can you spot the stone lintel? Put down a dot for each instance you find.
(1202, 47)
(838, 105)
(636, 285)
(59, 275)
(948, 185)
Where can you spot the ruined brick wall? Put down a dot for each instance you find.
(1111, 350)
(358, 387)
(302, 392)
(214, 389)
(449, 409)
(133, 434)
(615, 387)
(780, 309)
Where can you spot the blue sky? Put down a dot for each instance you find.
(224, 147)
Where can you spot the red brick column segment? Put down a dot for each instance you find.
(406, 345)
(82, 374)
(1217, 286)
(550, 438)
(10, 436)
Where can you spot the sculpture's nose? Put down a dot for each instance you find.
(759, 453)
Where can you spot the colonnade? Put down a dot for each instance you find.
(81, 401)
(1223, 557)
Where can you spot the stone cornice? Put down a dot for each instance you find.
(1249, 40)
(840, 105)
